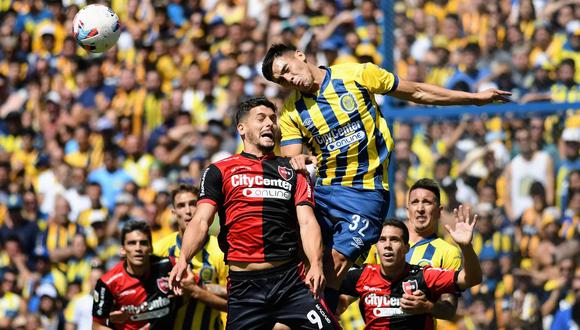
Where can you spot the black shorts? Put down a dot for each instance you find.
(259, 299)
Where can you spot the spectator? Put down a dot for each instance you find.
(531, 165)
(110, 177)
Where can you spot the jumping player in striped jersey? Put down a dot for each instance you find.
(333, 111)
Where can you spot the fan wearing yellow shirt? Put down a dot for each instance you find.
(333, 111)
(208, 267)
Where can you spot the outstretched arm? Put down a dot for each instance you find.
(431, 94)
(462, 234)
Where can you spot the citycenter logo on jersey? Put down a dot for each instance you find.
(383, 305)
(377, 300)
(341, 136)
(148, 310)
(249, 182)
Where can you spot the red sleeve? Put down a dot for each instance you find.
(440, 280)
(303, 195)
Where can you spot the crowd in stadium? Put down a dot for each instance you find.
(88, 141)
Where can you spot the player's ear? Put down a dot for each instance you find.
(123, 252)
(241, 129)
(300, 55)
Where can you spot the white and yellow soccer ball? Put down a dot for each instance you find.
(96, 28)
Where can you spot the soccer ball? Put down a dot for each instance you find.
(96, 28)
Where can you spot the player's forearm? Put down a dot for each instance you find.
(291, 150)
(312, 242)
(445, 308)
(210, 299)
(193, 238)
(217, 289)
(470, 275)
(431, 94)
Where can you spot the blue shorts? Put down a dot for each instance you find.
(350, 218)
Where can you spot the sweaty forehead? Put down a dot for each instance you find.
(278, 66)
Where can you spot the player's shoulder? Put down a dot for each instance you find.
(161, 263)
(289, 105)
(227, 162)
(442, 244)
(347, 69)
(115, 276)
(161, 247)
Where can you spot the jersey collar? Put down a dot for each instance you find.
(269, 155)
(425, 240)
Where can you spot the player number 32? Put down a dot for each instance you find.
(356, 221)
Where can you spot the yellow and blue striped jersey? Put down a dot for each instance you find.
(209, 265)
(435, 252)
(343, 125)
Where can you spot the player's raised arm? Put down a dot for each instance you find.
(431, 94)
(462, 234)
(193, 240)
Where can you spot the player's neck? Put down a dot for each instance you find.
(138, 271)
(393, 271)
(319, 75)
(256, 151)
(415, 237)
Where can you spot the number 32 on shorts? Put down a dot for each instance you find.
(358, 223)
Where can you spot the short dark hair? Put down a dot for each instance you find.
(134, 225)
(183, 188)
(537, 189)
(275, 51)
(428, 184)
(245, 107)
(399, 224)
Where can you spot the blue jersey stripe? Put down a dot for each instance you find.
(429, 252)
(362, 153)
(304, 115)
(332, 122)
(381, 145)
(290, 142)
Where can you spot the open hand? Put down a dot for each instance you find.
(464, 226)
(492, 95)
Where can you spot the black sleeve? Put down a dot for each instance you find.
(212, 185)
(348, 285)
(103, 301)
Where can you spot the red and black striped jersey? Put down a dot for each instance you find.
(148, 299)
(380, 296)
(256, 200)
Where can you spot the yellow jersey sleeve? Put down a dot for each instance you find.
(161, 247)
(290, 131)
(377, 80)
(452, 259)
